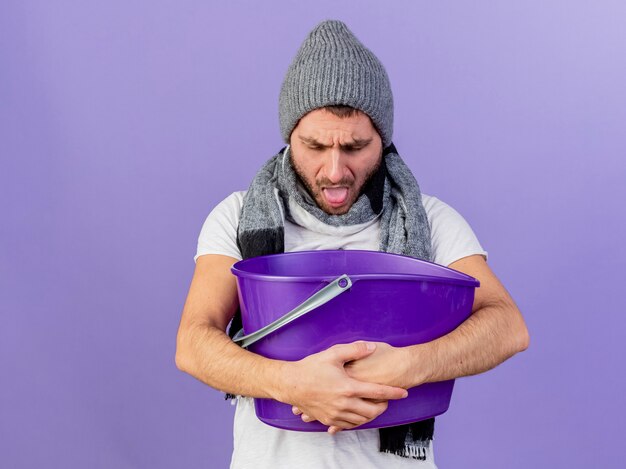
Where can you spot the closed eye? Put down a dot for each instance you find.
(353, 148)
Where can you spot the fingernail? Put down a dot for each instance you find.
(370, 346)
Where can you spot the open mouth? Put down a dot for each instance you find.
(335, 196)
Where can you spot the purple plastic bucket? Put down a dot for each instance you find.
(395, 299)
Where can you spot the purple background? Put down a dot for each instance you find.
(122, 123)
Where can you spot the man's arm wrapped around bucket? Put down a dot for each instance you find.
(318, 384)
(494, 332)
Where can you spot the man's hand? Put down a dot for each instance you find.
(321, 389)
(386, 365)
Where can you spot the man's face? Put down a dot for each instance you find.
(335, 157)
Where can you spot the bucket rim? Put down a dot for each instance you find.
(460, 278)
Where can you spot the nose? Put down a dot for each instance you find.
(335, 166)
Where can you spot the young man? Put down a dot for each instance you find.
(338, 184)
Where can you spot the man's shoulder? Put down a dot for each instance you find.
(432, 204)
(228, 208)
(233, 201)
(237, 195)
(438, 211)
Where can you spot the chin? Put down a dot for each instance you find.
(335, 210)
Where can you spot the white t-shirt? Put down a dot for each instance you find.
(260, 446)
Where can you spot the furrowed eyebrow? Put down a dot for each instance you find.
(312, 142)
(357, 143)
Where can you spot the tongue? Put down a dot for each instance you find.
(336, 195)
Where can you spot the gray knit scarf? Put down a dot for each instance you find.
(391, 193)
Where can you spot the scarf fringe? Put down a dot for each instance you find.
(412, 452)
(408, 441)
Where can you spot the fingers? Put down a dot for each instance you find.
(361, 411)
(377, 392)
(351, 420)
(346, 421)
(334, 429)
(368, 409)
(376, 401)
(349, 352)
(347, 418)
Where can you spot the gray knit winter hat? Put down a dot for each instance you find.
(334, 67)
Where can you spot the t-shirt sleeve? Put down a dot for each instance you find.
(452, 236)
(219, 231)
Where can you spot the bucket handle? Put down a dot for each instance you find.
(319, 298)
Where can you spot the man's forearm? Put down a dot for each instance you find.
(208, 354)
(317, 384)
(488, 337)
